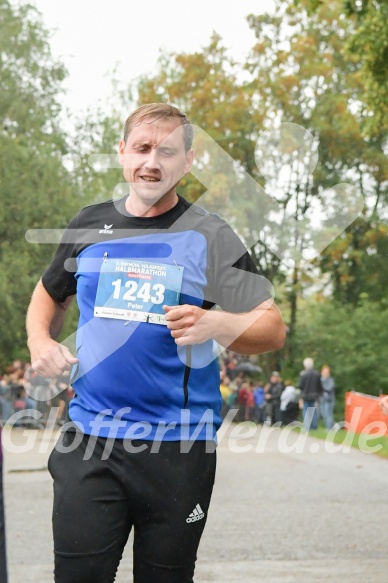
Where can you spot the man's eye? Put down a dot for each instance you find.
(140, 149)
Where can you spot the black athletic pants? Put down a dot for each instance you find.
(165, 496)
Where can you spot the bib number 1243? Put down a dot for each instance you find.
(133, 290)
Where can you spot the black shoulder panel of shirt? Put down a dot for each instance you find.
(109, 220)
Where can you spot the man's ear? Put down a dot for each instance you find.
(189, 161)
(121, 152)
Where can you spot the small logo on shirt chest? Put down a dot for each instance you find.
(106, 230)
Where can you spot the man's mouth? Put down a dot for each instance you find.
(147, 178)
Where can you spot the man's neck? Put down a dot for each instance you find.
(138, 208)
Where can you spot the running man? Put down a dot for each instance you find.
(147, 271)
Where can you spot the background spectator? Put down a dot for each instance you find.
(311, 389)
(259, 398)
(273, 391)
(6, 400)
(246, 401)
(225, 393)
(289, 404)
(327, 399)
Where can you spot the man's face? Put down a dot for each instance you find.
(154, 159)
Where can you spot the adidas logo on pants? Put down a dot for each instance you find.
(197, 514)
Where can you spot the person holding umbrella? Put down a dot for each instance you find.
(248, 368)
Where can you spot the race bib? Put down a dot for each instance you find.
(137, 290)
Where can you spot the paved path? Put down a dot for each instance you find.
(286, 510)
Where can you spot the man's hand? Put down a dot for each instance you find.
(384, 404)
(254, 332)
(45, 319)
(188, 324)
(50, 359)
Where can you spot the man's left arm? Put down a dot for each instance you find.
(259, 330)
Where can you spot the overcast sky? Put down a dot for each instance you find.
(92, 37)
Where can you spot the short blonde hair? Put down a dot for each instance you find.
(308, 363)
(160, 111)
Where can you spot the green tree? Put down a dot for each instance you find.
(350, 340)
(356, 262)
(303, 75)
(35, 187)
(369, 44)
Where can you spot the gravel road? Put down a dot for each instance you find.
(286, 509)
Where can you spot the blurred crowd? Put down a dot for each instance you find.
(276, 400)
(22, 390)
(265, 403)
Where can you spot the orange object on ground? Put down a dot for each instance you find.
(362, 412)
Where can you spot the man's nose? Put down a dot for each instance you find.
(152, 159)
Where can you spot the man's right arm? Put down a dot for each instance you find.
(45, 318)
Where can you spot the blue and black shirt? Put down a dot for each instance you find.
(132, 379)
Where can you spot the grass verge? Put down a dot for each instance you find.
(365, 442)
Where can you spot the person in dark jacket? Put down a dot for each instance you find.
(311, 389)
(327, 399)
(274, 390)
